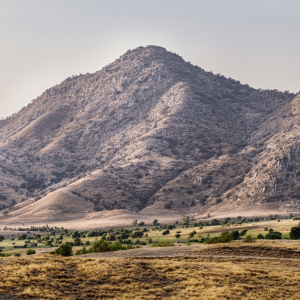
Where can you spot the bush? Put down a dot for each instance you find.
(177, 235)
(225, 237)
(81, 251)
(1, 238)
(163, 244)
(75, 234)
(243, 232)
(295, 233)
(30, 252)
(18, 253)
(235, 234)
(103, 246)
(260, 236)
(248, 238)
(63, 250)
(166, 232)
(266, 229)
(273, 235)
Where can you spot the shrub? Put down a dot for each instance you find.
(211, 240)
(167, 231)
(248, 238)
(295, 233)
(81, 251)
(1, 238)
(235, 234)
(243, 232)
(22, 237)
(75, 234)
(103, 246)
(273, 235)
(266, 229)
(87, 243)
(63, 250)
(225, 237)
(177, 235)
(260, 236)
(163, 244)
(18, 253)
(30, 252)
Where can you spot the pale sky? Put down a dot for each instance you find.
(43, 42)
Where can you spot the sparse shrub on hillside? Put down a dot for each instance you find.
(266, 229)
(1, 238)
(134, 222)
(177, 235)
(218, 200)
(141, 223)
(167, 231)
(17, 254)
(260, 236)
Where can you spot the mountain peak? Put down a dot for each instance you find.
(148, 134)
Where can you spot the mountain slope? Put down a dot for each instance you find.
(149, 134)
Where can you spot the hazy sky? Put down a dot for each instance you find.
(43, 42)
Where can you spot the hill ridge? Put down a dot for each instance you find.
(147, 133)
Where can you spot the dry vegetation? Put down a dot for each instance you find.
(180, 277)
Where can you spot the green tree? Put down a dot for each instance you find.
(75, 234)
(225, 237)
(155, 222)
(185, 220)
(295, 233)
(1, 238)
(235, 234)
(63, 250)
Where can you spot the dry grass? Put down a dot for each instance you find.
(258, 248)
(53, 277)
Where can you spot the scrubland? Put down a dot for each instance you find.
(188, 276)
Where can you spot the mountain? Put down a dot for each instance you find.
(150, 135)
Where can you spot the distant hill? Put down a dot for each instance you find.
(150, 134)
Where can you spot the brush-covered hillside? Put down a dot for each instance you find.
(150, 134)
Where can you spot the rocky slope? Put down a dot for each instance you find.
(150, 134)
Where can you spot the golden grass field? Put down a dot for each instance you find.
(181, 277)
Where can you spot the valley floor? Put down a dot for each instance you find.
(220, 271)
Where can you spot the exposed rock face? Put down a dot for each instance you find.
(151, 132)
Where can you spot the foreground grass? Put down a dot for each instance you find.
(55, 277)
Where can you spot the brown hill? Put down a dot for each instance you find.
(150, 135)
